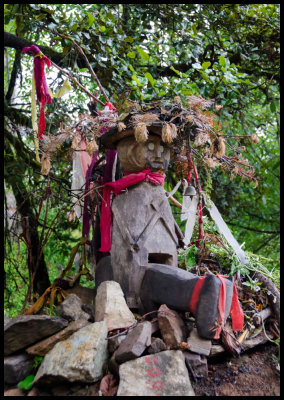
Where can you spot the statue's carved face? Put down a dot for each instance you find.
(135, 157)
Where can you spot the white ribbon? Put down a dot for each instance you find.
(190, 215)
(174, 189)
(223, 228)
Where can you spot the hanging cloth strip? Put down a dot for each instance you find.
(190, 165)
(116, 187)
(111, 156)
(81, 163)
(86, 219)
(236, 310)
(41, 88)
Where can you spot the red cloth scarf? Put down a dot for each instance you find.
(43, 95)
(116, 187)
(236, 310)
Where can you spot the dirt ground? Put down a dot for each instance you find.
(252, 374)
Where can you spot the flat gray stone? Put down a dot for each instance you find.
(135, 343)
(197, 362)
(157, 345)
(71, 308)
(111, 307)
(44, 346)
(26, 330)
(216, 349)
(17, 367)
(80, 358)
(161, 374)
(197, 344)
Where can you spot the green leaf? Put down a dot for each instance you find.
(186, 92)
(143, 53)
(129, 39)
(273, 106)
(74, 28)
(150, 78)
(131, 68)
(52, 26)
(132, 54)
(222, 61)
(134, 78)
(90, 19)
(102, 28)
(37, 361)
(176, 71)
(26, 383)
(206, 65)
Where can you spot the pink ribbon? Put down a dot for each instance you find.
(116, 187)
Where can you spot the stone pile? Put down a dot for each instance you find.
(116, 353)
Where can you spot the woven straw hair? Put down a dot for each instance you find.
(141, 132)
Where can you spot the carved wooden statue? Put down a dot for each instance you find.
(144, 241)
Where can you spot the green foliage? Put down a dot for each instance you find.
(37, 361)
(16, 277)
(26, 383)
(227, 259)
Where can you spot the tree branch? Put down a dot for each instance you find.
(19, 43)
(15, 70)
(252, 229)
(271, 237)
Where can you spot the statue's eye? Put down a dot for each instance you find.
(151, 146)
(161, 149)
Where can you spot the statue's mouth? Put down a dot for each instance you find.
(157, 164)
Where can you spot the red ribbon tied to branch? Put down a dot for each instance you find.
(42, 92)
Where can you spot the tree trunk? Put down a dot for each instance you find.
(24, 207)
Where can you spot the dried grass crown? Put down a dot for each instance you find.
(141, 132)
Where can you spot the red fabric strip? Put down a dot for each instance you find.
(43, 95)
(195, 295)
(236, 310)
(221, 306)
(116, 187)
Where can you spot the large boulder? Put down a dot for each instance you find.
(111, 307)
(161, 374)
(80, 358)
(26, 330)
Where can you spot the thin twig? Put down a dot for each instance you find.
(77, 83)
(87, 62)
(127, 328)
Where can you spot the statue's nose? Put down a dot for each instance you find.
(158, 151)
